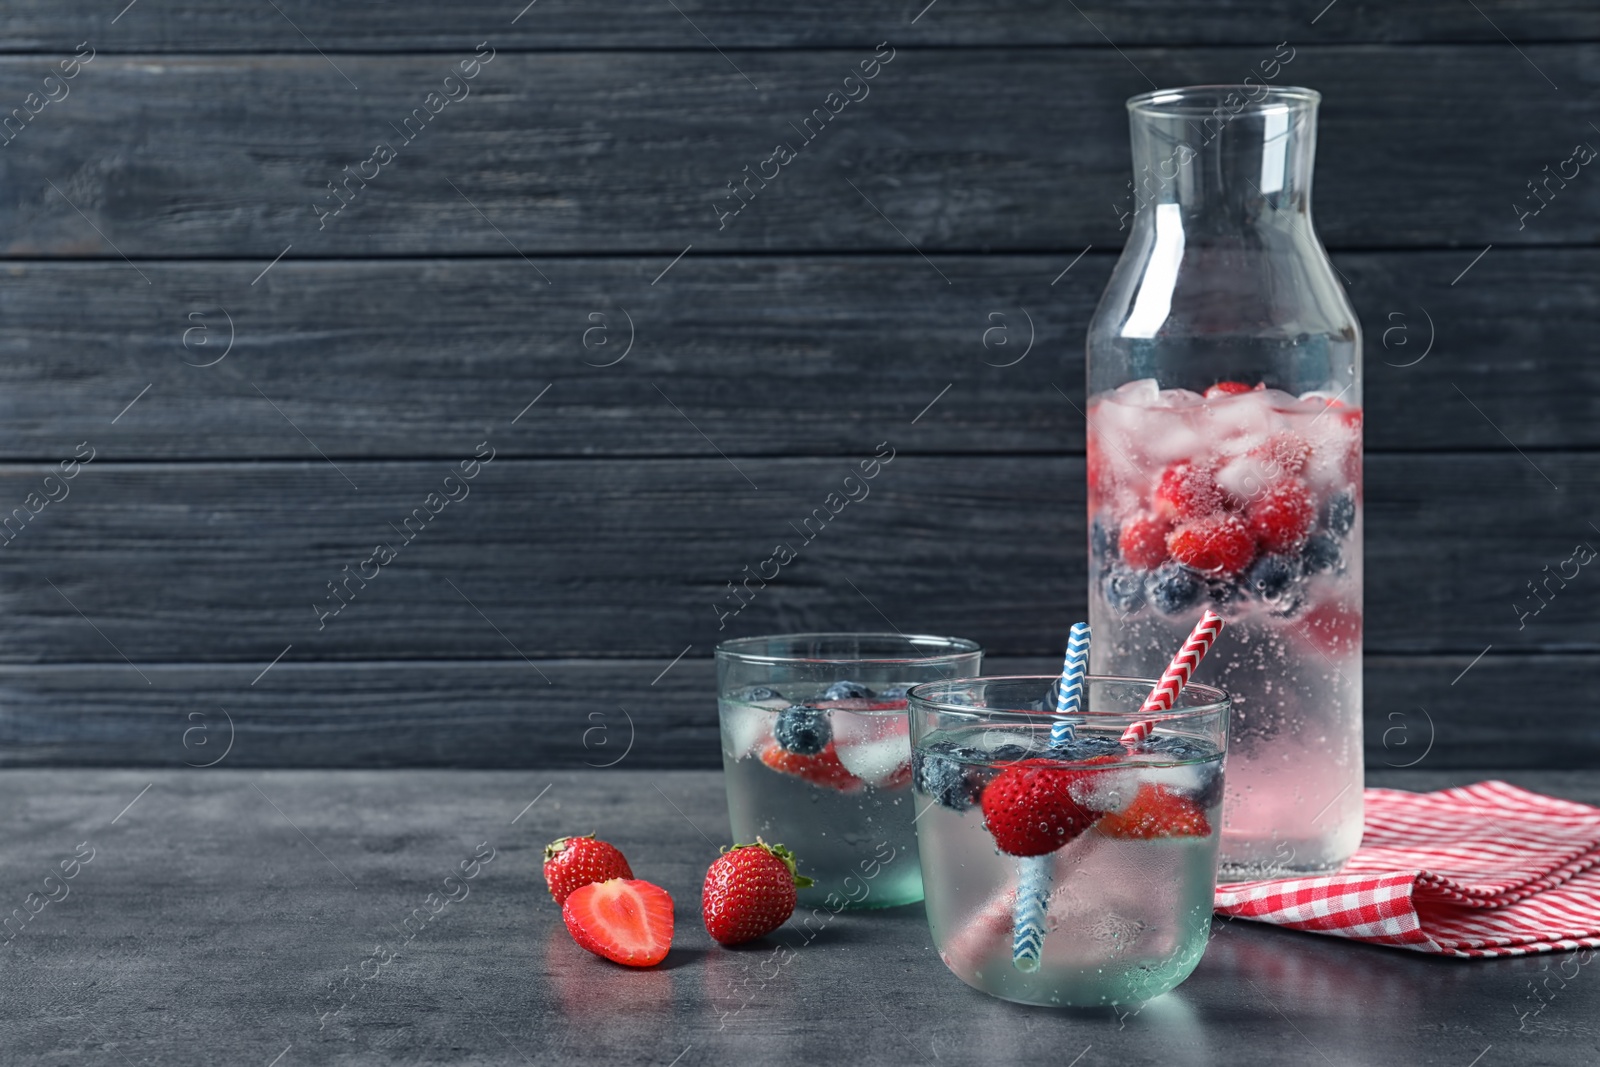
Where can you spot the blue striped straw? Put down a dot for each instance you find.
(1069, 691)
(1033, 872)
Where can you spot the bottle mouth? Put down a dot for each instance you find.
(1200, 101)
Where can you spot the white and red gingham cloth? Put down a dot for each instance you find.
(1481, 870)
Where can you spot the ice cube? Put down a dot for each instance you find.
(745, 728)
(1144, 392)
(1171, 439)
(1244, 477)
(1180, 398)
(1185, 778)
(874, 748)
(1008, 744)
(1105, 790)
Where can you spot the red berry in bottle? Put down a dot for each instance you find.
(1282, 454)
(1226, 389)
(1143, 541)
(1187, 490)
(1280, 518)
(1218, 545)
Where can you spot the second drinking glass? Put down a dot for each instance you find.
(816, 750)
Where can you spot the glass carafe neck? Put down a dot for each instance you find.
(1223, 159)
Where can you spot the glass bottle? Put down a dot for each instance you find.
(1224, 460)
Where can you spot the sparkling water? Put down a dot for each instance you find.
(848, 819)
(1126, 919)
(1290, 655)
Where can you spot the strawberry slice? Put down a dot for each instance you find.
(1156, 812)
(823, 769)
(626, 921)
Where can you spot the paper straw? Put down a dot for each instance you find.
(1028, 919)
(1069, 692)
(1183, 665)
(1033, 872)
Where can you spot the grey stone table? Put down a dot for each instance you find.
(284, 918)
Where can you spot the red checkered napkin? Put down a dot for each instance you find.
(1482, 870)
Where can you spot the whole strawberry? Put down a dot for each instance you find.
(749, 892)
(1029, 809)
(570, 862)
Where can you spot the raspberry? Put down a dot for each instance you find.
(1143, 542)
(1226, 389)
(1188, 490)
(1281, 518)
(1217, 545)
(1282, 454)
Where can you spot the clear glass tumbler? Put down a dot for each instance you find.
(1068, 872)
(816, 754)
(1224, 460)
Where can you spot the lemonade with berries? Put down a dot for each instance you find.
(1126, 835)
(1245, 500)
(816, 754)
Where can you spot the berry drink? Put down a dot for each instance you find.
(1126, 836)
(1245, 500)
(816, 754)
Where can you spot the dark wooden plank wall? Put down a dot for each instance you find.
(515, 248)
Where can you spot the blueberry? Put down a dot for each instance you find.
(1173, 588)
(1271, 576)
(1289, 605)
(802, 729)
(1179, 748)
(1339, 513)
(1008, 753)
(846, 691)
(940, 772)
(1210, 791)
(1087, 748)
(1124, 590)
(1227, 597)
(1186, 750)
(1322, 555)
(1103, 540)
(760, 692)
(897, 693)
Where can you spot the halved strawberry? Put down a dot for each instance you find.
(1226, 389)
(1156, 812)
(624, 920)
(823, 769)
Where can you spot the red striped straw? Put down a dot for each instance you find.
(1166, 692)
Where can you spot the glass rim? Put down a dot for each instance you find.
(1189, 101)
(1216, 700)
(955, 648)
